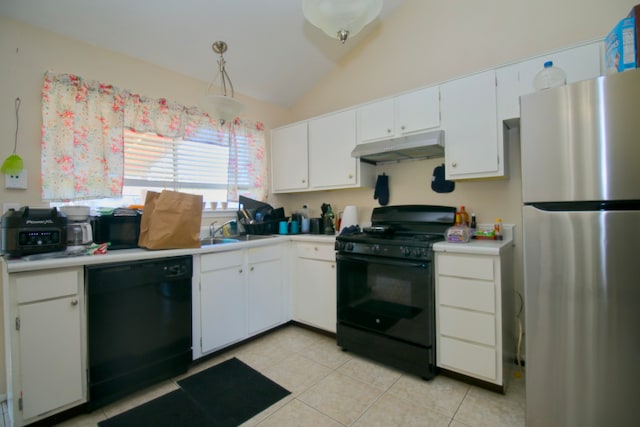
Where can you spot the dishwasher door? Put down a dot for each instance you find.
(139, 325)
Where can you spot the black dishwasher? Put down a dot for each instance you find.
(139, 325)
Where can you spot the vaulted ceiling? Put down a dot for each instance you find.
(274, 54)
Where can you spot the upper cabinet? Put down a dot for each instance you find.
(474, 112)
(316, 155)
(289, 158)
(469, 120)
(331, 140)
(402, 115)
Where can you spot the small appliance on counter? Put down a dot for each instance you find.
(79, 231)
(33, 230)
(119, 227)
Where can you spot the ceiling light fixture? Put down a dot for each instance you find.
(341, 18)
(217, 102)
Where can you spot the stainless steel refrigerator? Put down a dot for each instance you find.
(581, 222)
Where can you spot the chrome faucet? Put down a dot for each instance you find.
(213, 231)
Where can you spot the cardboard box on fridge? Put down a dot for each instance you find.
(621, 44)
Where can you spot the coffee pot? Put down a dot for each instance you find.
(79, 231)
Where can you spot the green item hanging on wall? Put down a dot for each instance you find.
(13, 164)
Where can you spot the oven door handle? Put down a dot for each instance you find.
(385, 261)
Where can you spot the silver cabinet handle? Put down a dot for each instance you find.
(240, 271)
(454, 164)
(402, 127)
(388, 130)
(252, 268)
(74, 302)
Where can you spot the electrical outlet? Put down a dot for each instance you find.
(16, 181)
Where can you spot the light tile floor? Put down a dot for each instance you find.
(330, 387)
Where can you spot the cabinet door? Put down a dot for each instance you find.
(289, 158)
(376, 121)
(579, 63)
(223, 302)
(331, 140)
(265, 295)
(417, 111)
(469, 120)
(315, 293)
(50, 342)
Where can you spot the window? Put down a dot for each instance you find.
(199, 166)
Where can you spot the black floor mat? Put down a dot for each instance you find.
(224, 395)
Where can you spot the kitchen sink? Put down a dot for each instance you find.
(207, 241)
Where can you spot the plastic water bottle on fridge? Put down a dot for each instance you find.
(550, 76)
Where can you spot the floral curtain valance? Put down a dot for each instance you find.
(83, 142)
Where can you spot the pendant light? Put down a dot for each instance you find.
(341, 18)
(13, 164)
(217, 102)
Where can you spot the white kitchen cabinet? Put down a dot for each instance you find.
(266, 294)
(316, 155)
(403, 115)
(314, 287)
(474, 315)
(331, 140)
(289, 158)
(223, 299)
(242, 292)
(470, 122)
(45, 322)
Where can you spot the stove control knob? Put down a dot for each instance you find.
(349, 246)
(375, 249)
(418, 252)
(405, 251)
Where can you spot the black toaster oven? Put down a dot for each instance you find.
(120, 228)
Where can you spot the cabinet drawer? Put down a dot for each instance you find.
(474, 267)
(467, 293)
(469, 358)
(467, 325)
(220, 260)
(321, 251)
(36, 286)
(265, 253)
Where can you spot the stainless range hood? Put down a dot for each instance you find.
(422, 146)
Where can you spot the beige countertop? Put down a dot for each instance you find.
(19, 265)
(479, 247)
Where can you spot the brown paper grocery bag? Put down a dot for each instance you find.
(173, 221)
(145, 221)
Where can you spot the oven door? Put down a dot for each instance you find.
(391, 297)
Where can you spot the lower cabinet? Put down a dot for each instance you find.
(314, 287)
(223, 296)
(44, 324)
(474, 315)
(242, 293)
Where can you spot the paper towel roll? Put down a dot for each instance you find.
(349, 217)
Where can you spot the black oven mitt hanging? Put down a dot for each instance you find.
(382, 190)
(438, 183)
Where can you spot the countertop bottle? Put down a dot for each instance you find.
(550, 76)
(497, 229)
(473, 224)
(464, 216)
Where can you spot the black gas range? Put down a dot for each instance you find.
(404, 231)
(386, 286)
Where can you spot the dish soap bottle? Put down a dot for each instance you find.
(550, 76)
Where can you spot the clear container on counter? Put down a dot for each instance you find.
(550, 76)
